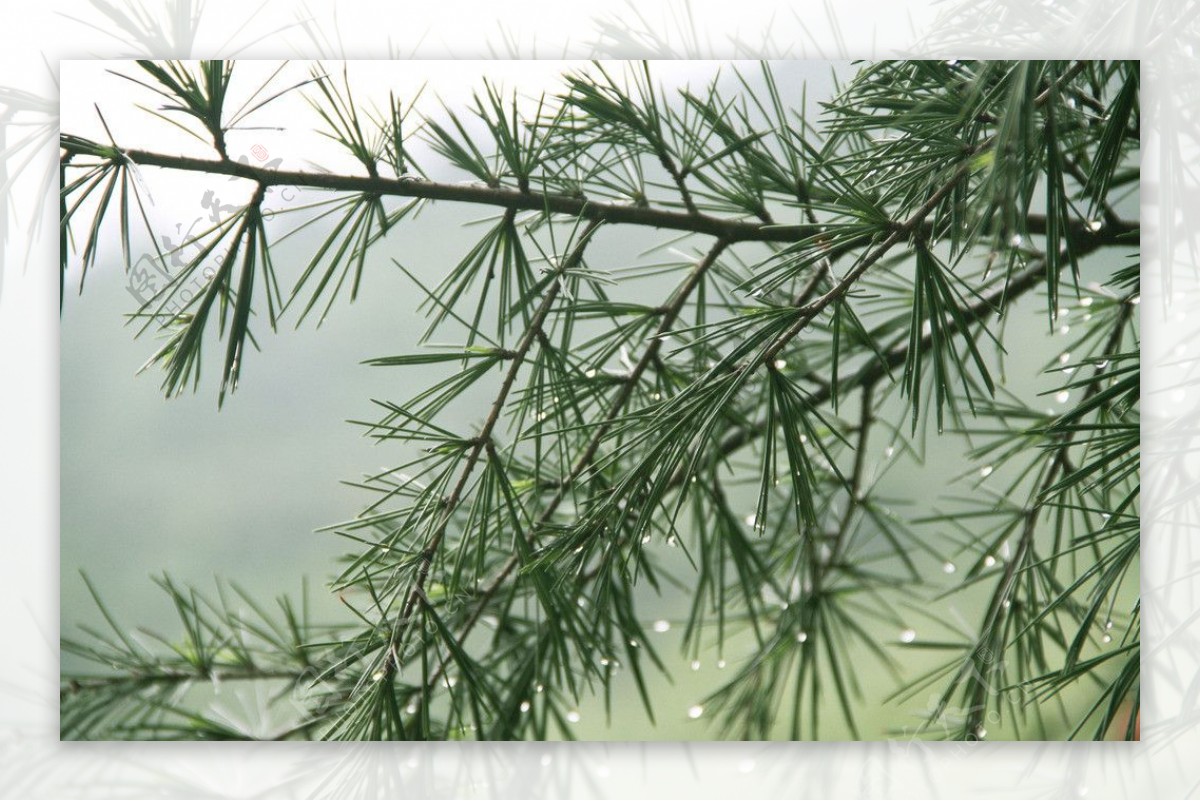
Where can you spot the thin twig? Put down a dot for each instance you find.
(484, 438)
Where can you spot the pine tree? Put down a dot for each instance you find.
(838, 297)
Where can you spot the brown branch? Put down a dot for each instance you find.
(732, 230)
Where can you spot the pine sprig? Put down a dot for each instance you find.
(852, 282)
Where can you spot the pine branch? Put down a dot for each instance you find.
(908, 156)
(484, 438)
(729, 230)
(875, 370)
(985, 658)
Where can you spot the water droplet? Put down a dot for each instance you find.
(948, 568)
(672, 541)
(695, 711)
(1136, 300)
(539, 688)
(989, 560)
(1066, 329)
(633, 643)
(1063, 396)
(803, 439)
(1085, 302)
(591, 373)
(752, 521)
(573, 716)
(658, 396)
(908, 635)
(1108, 624)
(720, 664)
(1106, 639)
(889, 452)
(377, 675)
(802, 636)
(780, 364)
(695, 664)
(1016, 240)
(980, 733)
(525, 706)
(1063, 358)
(662, 626)
(605, 661)
(1095, 225)
(411, 709)
(986, 470)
